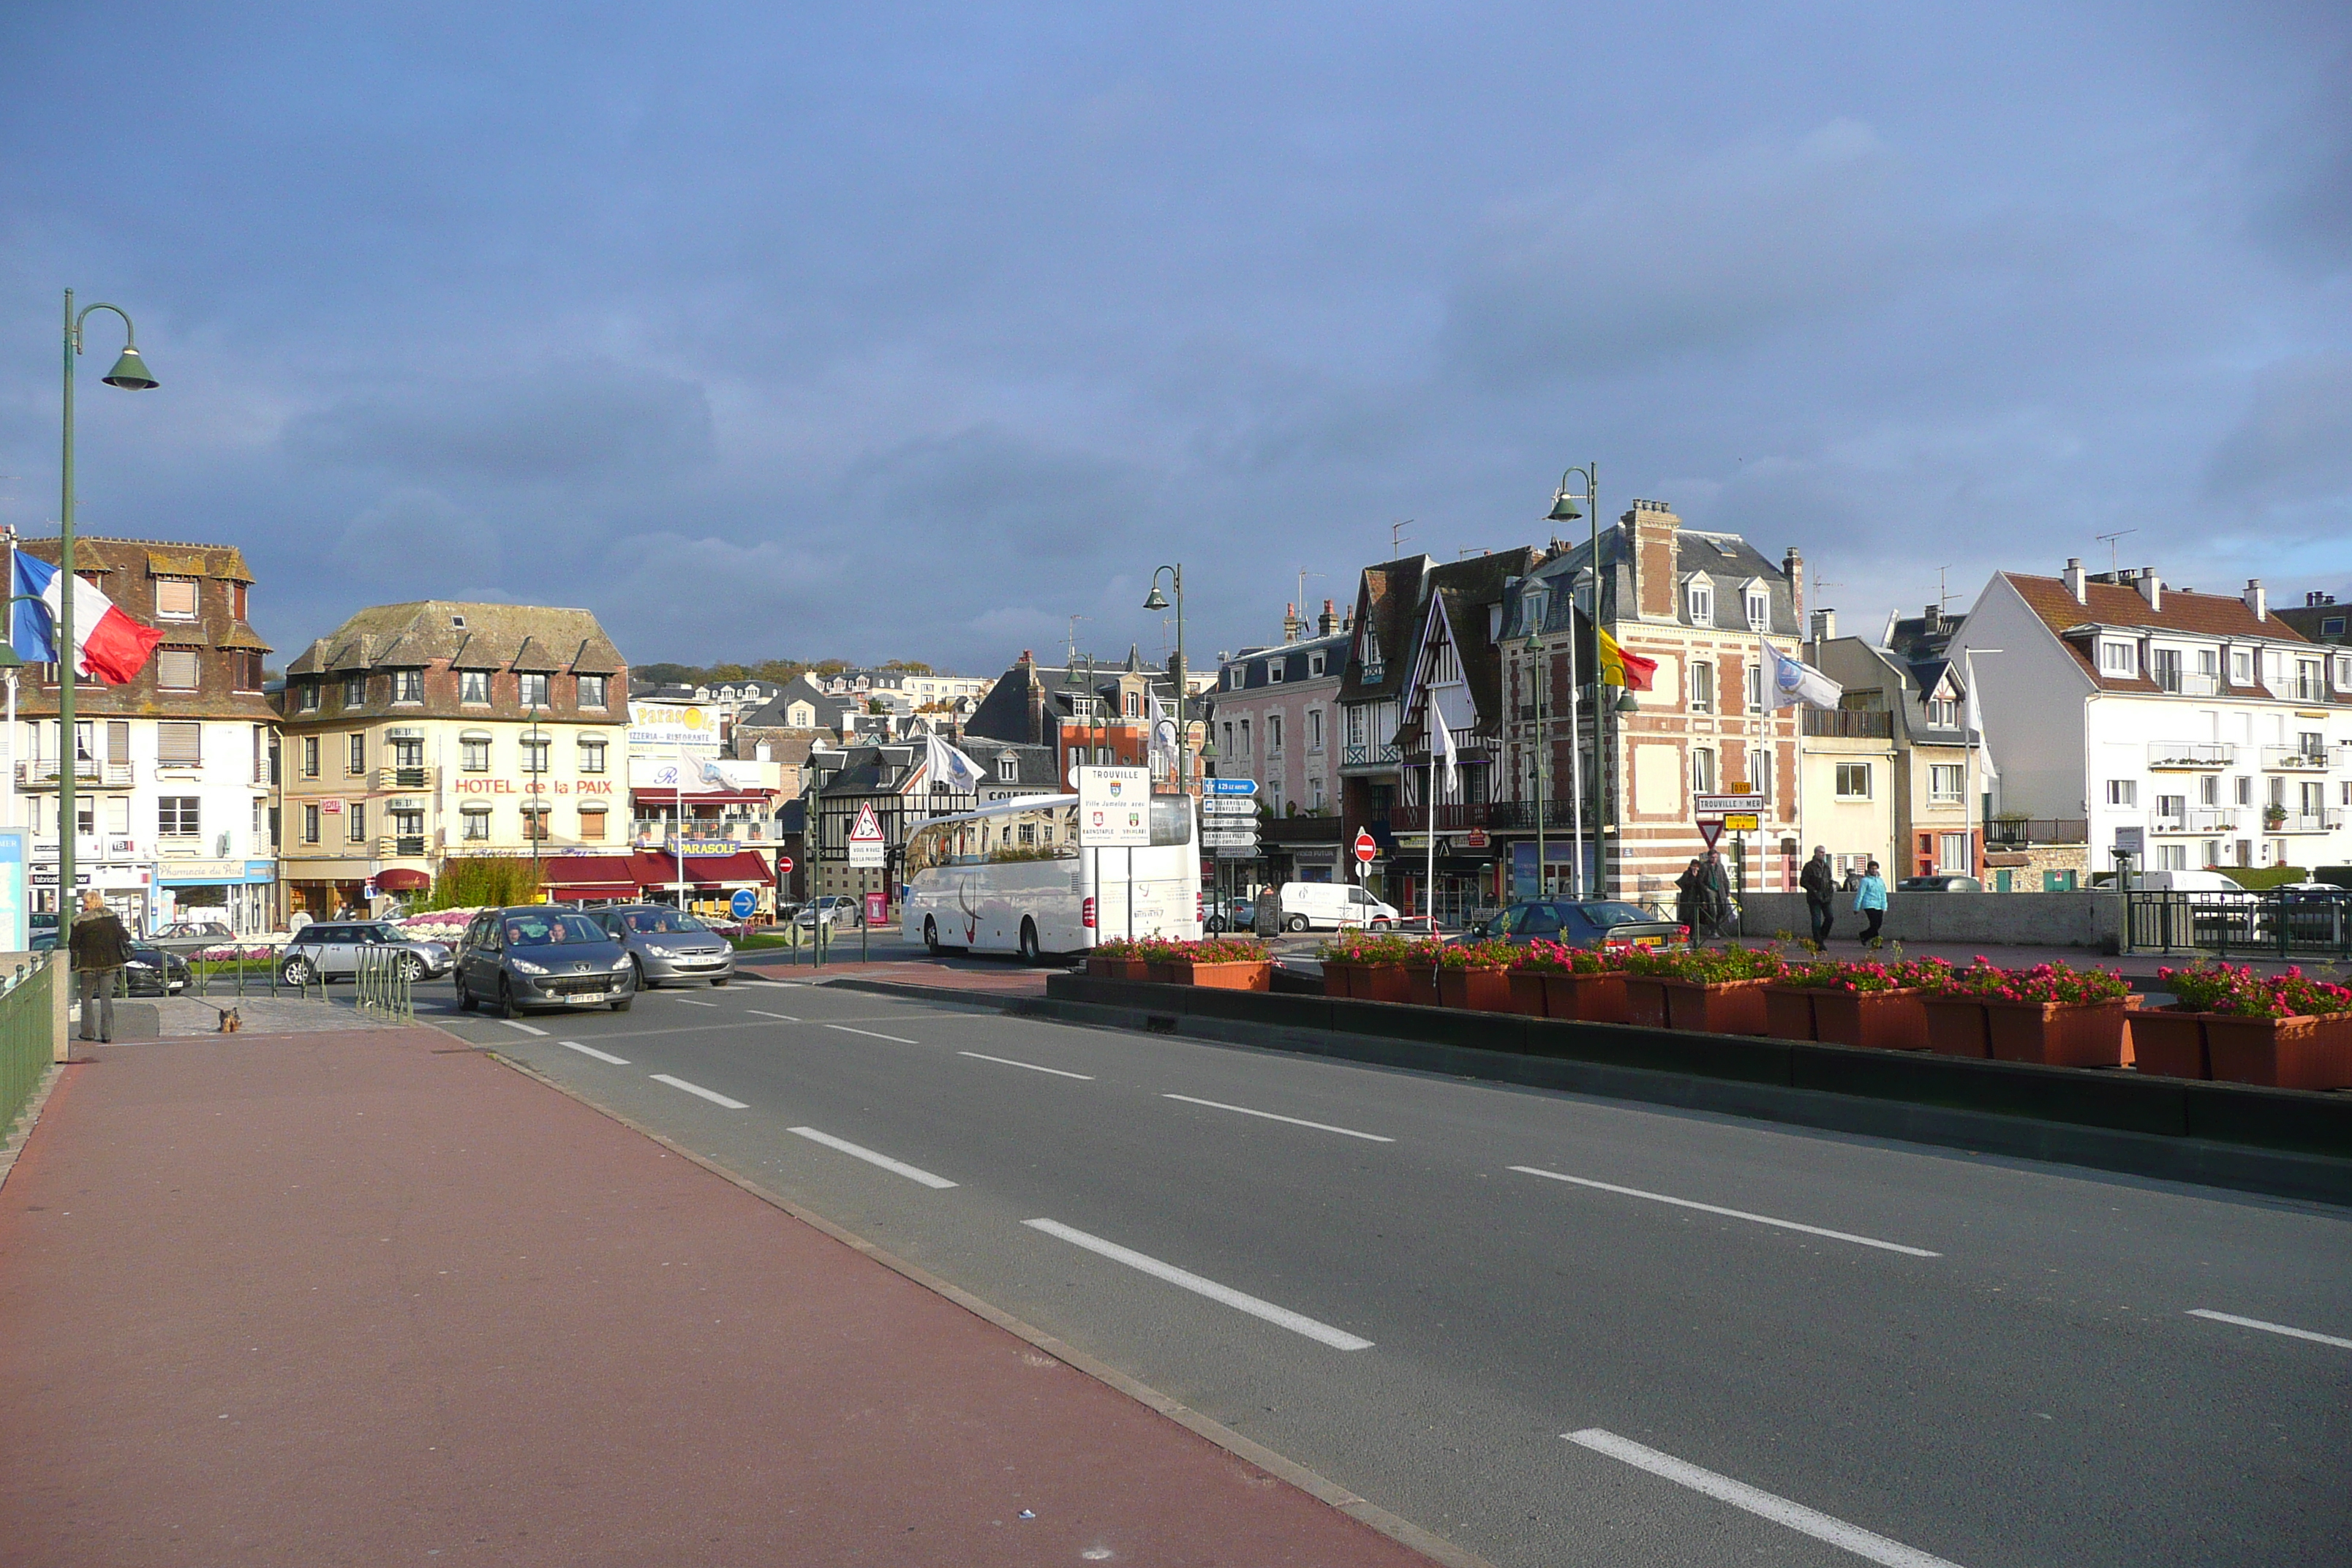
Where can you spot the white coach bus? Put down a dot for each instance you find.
(1012, 877)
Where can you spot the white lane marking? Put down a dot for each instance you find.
(1033, 1066)
(1765, 1505)
(1298, 1323)
(593, 1051)
(714, 1097)
(912, 1173)
(526, 1028)
(1270, 1116)
(779, 1017)
(869, 1034)
(692, 1003)
(1732, 1214)
(2269, 1328)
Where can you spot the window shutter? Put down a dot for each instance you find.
(175, 597)
(175, 669)
(179, 742)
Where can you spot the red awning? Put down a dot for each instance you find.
(656, 869)
(603, 876)
(402, 879)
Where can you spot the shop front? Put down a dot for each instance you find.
(247, 890)
(704, 883)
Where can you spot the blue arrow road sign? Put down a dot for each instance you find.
(1232, 786)
(743, 903)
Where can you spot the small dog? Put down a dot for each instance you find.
(230, 1023)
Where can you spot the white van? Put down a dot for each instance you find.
(2162, 882)
(1328, 906)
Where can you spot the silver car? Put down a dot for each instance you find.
(330, 950)
(668, 944)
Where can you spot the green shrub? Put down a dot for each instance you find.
(476, 881)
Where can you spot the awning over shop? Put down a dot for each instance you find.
(402, 879)
(589, 876)
(699, 797)
(653, 868)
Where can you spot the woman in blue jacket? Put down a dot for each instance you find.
(1870, 902)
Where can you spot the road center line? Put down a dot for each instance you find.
(714, 1099)
(526, 1028)
(870, 1035)
(912, 1173)
(1282, 1317)
(1731, 1213)
(1033, 1066)
(779, 1017)
(692, 1003)
(1763, 1504)
(1270, 1116)
(2269, 1328)
(593, 1051)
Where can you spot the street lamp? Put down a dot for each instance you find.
(1158, 601)
(131, 374)
(1565, 507)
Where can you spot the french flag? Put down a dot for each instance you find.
(108, 643)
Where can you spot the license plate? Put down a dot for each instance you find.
(585, 997)
(1649, 941)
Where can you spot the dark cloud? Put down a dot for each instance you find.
(2295, 442)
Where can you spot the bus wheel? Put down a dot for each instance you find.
(1029, 954)
(931, 936)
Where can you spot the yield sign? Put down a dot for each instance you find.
(1365, 847)
(1710, 828)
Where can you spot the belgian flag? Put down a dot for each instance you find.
(1619, 668)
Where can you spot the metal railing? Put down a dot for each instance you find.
(27, 1035)
(2042, 831)
(41, 772)
(1849, 723)
(2294, 759)
(2230, 926)
(2304, 822)
(384, 979)
(2190, 754)
(403, 778)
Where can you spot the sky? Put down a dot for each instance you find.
(914, 331)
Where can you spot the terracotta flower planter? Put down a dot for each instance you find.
(1478, 990)
(1956, 1026)
(1421, 985)
(2057, 1034)
(1165, 973)
(1588, 998)
(2169, 1042)
(1725, 1007)
(1527, 992)
(2302, 1052)
(1382, 983)
(1876, 1020)
(1119, 968)
(1339, 979)
(1645, 1001)
(1231, 975)
(1789, 1012)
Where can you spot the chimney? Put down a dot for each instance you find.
(2151, 587)
(1327, 625)
(1824, 626)
(1931, 619)
(2256, 600)
(2075, 584)
(1651, 527)
(1792, 566)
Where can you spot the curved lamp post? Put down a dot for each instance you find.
(1158, 601)
(1565, 508)
(131, 374)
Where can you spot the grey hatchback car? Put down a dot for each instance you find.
(537, 955)
(668, 944)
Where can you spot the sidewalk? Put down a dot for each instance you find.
(371, 1297)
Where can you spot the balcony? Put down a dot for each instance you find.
(2197, 819)
(2190, 754)
(2183, 684)
(1849, 723)
(2293, 760)
(2014, 830)
(2304, 822)
(41, 772)
(399, 847)
(1360, 755)
(401, 778)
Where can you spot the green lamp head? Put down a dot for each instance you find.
(129, 371)
(1563, 505)
(1158, 601)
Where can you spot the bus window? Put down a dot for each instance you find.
(1171, 820)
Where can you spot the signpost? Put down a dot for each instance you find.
(783, 865)
(1710, 828)
(1222, 806)
(1230, 786)
(868, 849)
(1114, 808)
(743, 904)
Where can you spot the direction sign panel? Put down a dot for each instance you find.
(1237, 851)
(868, 849)
(1114, 808)
(1230, 786)
(1228, 805)
(1215, 835)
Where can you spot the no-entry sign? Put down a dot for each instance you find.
(1365, 847)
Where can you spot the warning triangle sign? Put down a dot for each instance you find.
(869, 827)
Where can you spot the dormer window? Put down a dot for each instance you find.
(1008, 767)
(1943, 711)
(175, 598)
(1314, 664)
(1698, 602)
(1760, 608)
(2118, 658)
(2242, 667)
(1369, 650)
(1274, 671)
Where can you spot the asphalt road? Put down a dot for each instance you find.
(1552, 1329)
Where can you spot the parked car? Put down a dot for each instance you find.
(1329, 906)
(186, 937)
(834, 910)
(153, 971)
(1230, 914)
(330, 950)
(1940, 883)
(1588, 922)
(668, 944)
(537, 955)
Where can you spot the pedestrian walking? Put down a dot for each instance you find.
(1819, 882)
(99, 947)
(1870, 902)
(1686, 897)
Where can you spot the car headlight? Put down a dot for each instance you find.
(622, 965)
(527, 966)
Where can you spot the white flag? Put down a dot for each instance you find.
(1976, 717)
(1442, 745)
(950, 767)
(1163, 738)
(1795, 681)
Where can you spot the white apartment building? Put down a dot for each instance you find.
(2191, 729)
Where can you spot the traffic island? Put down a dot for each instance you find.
(2278, 1141)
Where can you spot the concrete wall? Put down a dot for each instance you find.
(2037, 920)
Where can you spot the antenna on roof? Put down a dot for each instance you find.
(1396, 538)
(2113, 562)
(1074, 638)
(1942, 592)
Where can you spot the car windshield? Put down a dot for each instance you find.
(377, 933)
(1608, 912)
(551, 930)
(661, 923)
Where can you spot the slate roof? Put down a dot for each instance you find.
(1388, 603)
(493, 637)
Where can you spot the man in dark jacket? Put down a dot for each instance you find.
(100, 948)
(1819, 881)
(1714, 894)
(1686, 897)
